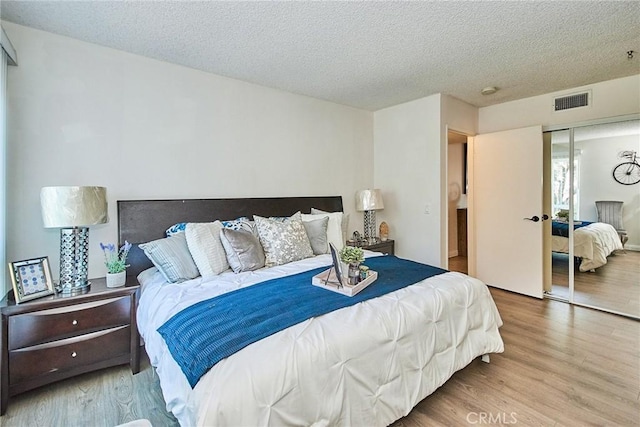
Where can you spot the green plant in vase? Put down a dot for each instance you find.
(116, 262)
(353, 256)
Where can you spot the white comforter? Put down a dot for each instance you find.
(593, 243)
(368, 364)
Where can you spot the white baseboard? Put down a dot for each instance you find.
(632, 247)
(453, 253)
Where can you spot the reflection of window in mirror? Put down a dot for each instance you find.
(560, 172)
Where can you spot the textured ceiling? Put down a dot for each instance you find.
(368, 55)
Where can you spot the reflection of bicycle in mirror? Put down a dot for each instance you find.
(627, 173)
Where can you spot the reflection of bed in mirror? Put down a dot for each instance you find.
(593, 242)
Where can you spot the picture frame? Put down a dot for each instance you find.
(336, 263)
(31, 279)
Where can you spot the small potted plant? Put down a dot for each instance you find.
(353, 256)
(116, 262)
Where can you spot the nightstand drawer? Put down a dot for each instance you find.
(49, 325)
(59, 356)
(387, 247)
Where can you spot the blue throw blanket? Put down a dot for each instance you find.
(561, 228)
(205, 333)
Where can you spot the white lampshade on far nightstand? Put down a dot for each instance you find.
(369, 201)
(73, 209)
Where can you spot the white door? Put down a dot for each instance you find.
(507, 188)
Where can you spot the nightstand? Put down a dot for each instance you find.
(57, 337)
(387, 247)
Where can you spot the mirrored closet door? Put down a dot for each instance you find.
(595, 207)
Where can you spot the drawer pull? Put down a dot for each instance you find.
(74, 354)
(75, 322)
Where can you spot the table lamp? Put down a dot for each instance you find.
(369, 201)
(73, 210)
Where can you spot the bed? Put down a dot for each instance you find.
(365, 364)
(593, 242)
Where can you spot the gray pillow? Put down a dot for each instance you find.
(317, 232)
(243, 249)
(172, 258)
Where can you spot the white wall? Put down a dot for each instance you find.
(410, 154)
(611, 98)
(407, 165)
(81, 114)
(459, 116)
(597, 159)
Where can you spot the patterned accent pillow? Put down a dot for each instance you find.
(283, 241)
(203, 240)
(172, 257)
(175, 229)
(279, 218)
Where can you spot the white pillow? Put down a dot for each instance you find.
(344, 224)
(203, 239)
(334, 228)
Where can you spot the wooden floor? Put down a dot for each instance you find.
(104, 398)
(614, 286)
(562, 365)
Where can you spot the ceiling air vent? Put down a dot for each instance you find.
(571, 101)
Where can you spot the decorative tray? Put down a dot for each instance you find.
(328, 280)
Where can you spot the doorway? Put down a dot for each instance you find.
(457, 201)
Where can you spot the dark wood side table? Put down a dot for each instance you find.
(386, 247)
(57, 337)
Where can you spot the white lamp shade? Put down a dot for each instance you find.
(64, 207)
(369, 200)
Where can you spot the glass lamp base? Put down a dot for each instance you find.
(370, 226)
(77, 289)
(74, 260)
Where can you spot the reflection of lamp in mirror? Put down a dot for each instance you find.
(73, 209)
(369, 201)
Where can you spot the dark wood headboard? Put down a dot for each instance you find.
(141, 221)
